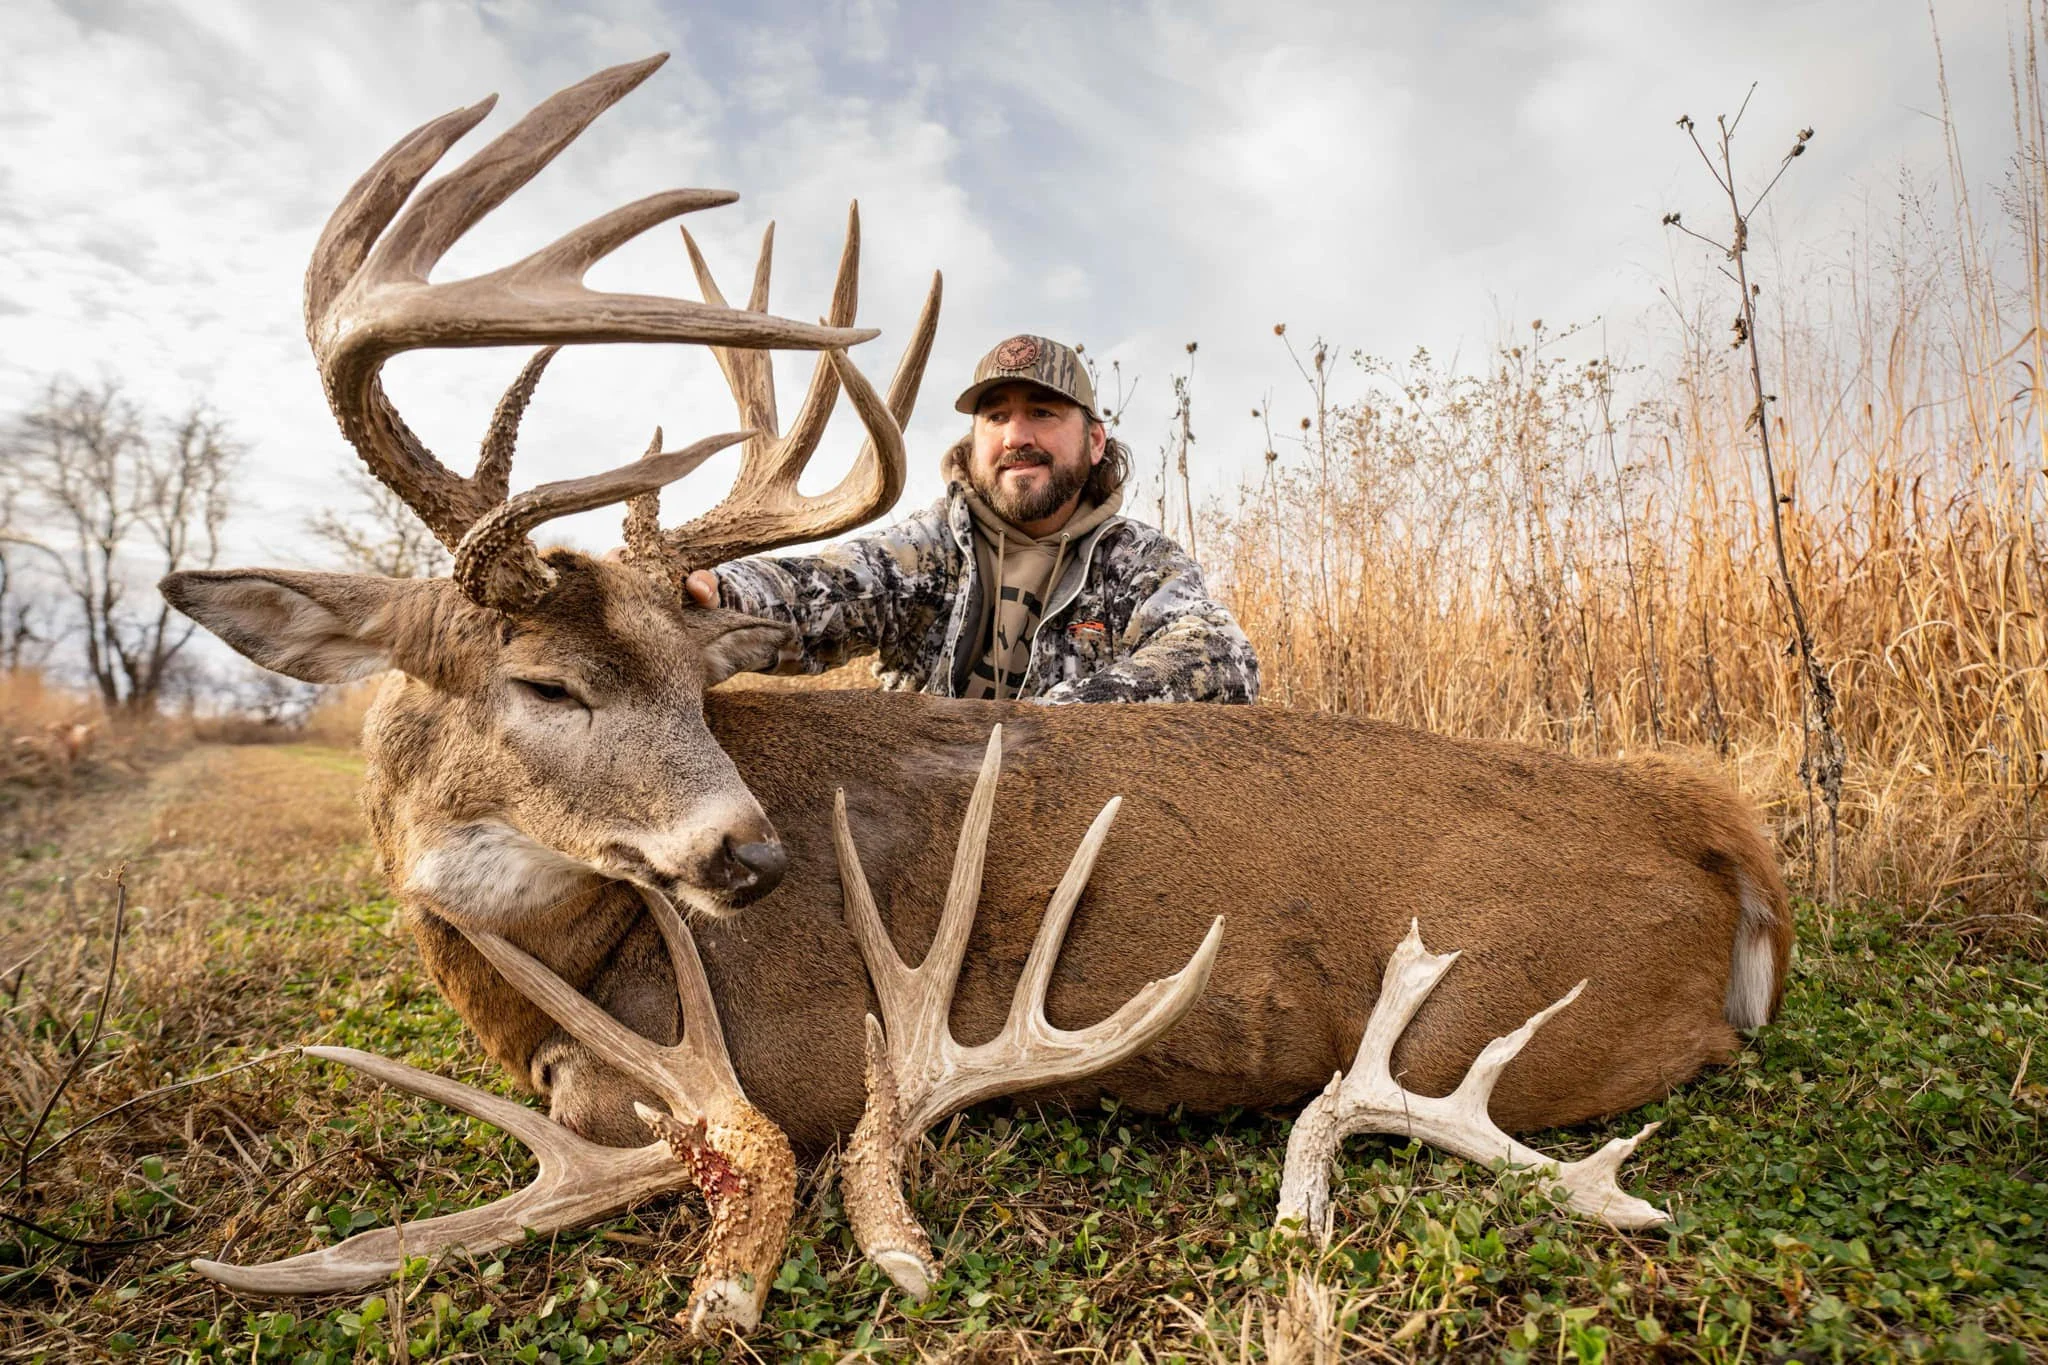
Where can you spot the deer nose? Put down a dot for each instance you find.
(752, 870)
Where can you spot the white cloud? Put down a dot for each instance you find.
(1133, 178)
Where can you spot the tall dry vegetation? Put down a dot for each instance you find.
(1576, 553)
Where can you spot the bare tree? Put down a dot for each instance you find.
(113, 502)
(387, 538)
(20, 639)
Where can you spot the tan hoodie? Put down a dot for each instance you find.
(1019, 571)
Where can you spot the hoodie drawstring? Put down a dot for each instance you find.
(995, 617)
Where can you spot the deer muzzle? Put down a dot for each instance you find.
(714, 867)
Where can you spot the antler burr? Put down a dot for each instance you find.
(917, 1073)
(1370, 1100)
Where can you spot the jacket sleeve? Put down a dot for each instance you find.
(1180, 643)
(857, 597)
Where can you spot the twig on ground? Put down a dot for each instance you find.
(99, 1023)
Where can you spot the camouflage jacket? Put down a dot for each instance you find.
(1129, 618)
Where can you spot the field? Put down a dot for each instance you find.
(1866, 1182)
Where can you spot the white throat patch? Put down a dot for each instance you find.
(494, 876)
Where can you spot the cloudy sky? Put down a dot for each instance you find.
(1133, 177)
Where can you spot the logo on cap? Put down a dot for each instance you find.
(1018, 353)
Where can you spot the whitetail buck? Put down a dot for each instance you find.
(546, 764)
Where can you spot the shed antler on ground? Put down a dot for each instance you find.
(917, 1073)
(1371, 1100)
(710, 1137)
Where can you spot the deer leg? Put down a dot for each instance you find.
(1370, 1100)
(586, 1093)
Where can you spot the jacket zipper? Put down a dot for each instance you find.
(1084, 558)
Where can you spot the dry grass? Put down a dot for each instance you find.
(1570, 553)
(246, 921)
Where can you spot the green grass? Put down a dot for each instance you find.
(1867, 1181)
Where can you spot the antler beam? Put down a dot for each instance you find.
(368, 298)
(917, 1073)
(1370, 1100)
(579, 1183)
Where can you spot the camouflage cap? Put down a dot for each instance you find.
(1035, 360)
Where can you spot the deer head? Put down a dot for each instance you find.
(547, 732)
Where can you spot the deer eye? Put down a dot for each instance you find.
(551, 692)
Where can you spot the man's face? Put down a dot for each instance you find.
(1033, 451)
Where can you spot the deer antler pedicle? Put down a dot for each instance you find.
(1370, 1100)
(710, 1137)
(368, 299)
(917, 1073)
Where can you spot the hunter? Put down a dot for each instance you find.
(1022, 582)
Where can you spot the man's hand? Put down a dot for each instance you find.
(702, 586)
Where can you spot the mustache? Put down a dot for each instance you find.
(1027, 458)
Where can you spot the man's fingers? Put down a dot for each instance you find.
(702, 585)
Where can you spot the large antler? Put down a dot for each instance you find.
(710, 1137)
(916, 1072)
(1370, 1100)
(368, 299)
(764, 509)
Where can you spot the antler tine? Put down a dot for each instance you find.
(1370, 1100)
(703, 1035)
(748, 373)
(578, 1182)
(893, 980)
(765, 510)
(498, 566)
(644, 546)
(739, 1161)
(907, 994)
(939, 973)
(493, 476)
(823, 393)
(1052, 930)
(368, 299)
(647, 1062)
(917, 1073)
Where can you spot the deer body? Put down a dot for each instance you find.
(1318, 837)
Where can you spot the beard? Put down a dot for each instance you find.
(1020, 506)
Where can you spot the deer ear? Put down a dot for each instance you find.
(316, 627)
(742, 644)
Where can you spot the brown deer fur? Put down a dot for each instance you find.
(1318, 837)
